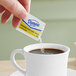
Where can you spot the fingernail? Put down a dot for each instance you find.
(23, 15)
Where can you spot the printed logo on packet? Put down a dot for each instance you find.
(31, 26)
(33, 23)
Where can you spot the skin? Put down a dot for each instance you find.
(19, 9)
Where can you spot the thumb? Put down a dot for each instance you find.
(14, 7)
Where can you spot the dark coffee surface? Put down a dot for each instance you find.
(47, 51)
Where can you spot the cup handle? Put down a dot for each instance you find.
(21, 51)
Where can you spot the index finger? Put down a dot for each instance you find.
(14, 7)
(26, 4)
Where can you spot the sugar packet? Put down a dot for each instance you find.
(31, 26)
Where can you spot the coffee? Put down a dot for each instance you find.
(47, 51)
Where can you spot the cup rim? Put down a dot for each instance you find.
(68, 49)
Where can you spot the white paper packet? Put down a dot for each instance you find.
(31, 26)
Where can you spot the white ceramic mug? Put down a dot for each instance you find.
(43, 64)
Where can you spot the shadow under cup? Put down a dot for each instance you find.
(43, 64)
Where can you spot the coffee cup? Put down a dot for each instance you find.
(43, 64)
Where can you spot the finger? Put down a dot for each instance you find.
(26, 4)
(1, 9)
(5, 16)
(14, 7)
(15, 21)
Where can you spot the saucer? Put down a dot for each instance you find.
(70, 73)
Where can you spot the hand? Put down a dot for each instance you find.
(19, 9)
